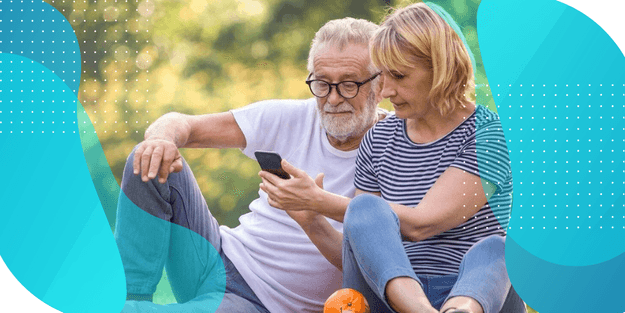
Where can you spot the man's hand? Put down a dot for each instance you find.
(300, 192)
(156, 156)
(306, 218)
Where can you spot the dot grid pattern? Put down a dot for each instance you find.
(67, 253)
(563, 120)
(557, 79)
(567, 154)
(64, 36)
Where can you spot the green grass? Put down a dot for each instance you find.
(163, 294)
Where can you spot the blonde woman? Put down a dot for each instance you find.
(429, 235)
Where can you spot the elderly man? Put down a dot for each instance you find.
(270, 264)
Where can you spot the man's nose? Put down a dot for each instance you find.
(334, 98)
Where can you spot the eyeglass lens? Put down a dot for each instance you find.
(345, 89)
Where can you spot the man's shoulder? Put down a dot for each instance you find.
(279, 110)
(287, 104)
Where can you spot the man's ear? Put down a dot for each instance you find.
(378, 90)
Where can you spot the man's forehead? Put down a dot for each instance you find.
(352, 61)
(346, 75)
(329, 49)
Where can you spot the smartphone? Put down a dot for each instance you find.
(271, 162)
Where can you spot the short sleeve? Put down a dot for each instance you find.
(365, 177)
(273, 125)
(485, 153)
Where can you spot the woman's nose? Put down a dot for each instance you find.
(388, 88)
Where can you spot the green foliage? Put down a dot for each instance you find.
(142, 59)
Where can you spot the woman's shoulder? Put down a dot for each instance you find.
(484, 116)
(488, 125)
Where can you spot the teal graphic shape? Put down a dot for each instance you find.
(557, 81)
(54, 235)
(103, 180)
(553, 288)
(36, 30)
(194, 267)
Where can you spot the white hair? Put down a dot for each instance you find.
(338, 34)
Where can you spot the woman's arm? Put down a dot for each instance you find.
(454, 198)
(322, 234)
(302, 193)
(328, 240)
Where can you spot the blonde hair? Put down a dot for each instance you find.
(338, 34)
(419, 33)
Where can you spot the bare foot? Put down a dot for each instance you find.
(405, 295)
(464, 304)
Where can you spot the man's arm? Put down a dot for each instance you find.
(322, 234)
(158, 154)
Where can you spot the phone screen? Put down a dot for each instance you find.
(270, 162)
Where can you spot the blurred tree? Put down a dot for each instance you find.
(144, 58)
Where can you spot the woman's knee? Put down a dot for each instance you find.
(492, 242)
(491, 249)
(366, 211)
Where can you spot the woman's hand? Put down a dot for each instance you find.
(299, 193)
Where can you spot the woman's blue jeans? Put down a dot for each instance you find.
(373, 254)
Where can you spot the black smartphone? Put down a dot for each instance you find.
(270, 162)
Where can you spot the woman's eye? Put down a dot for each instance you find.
(397, 75)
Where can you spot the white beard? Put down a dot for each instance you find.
(342, 128)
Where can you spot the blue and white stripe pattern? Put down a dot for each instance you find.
(403, 171)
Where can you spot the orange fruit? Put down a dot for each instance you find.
(346, 300)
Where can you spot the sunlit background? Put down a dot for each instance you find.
(142, 59)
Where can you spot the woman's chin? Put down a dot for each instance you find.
(400, 114)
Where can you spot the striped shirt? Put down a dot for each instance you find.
(403, 171)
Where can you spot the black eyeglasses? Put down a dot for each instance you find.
(346, 89)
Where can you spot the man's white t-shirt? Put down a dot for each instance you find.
(270, 250)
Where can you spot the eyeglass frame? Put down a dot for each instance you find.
(336, 86)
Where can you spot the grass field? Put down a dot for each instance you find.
(163, 293)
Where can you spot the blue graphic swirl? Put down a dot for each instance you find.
(557, 80)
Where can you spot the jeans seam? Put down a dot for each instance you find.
(156, 270)
(194, 240)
